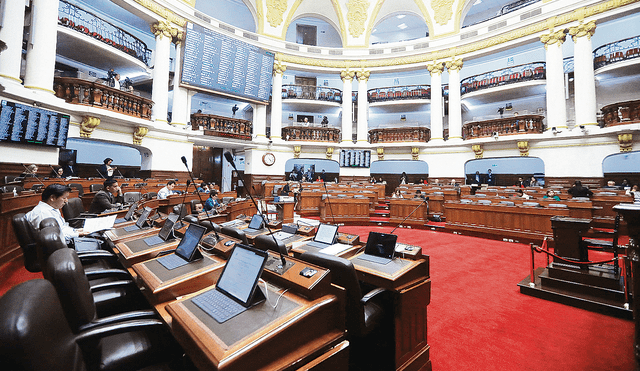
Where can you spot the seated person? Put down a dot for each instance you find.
(204, 188)
(69, 171)
(397, 194)
(552, 194)
(57, 172)
(212, 203)
(284, 191)
(198, 210)
(53, 197)
(611, 185)
(419, 195)
(109, 197)
(30, 172)
(635, 192)
(521, 194)
(167, 190)
(533, 182)
(579, 191)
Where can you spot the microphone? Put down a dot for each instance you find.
(184, 161)
(55, 172)
(184, 196)
(326, 192)
(34, 174)
(100, 174)
(424, 200)
(229, 157)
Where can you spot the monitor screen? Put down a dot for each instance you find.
(256, 222)
(381, 244)
(241, 273)
(20, 123)
(188, 244)
(168, 226)
(144, 216)
(326, 233)
(132, 210)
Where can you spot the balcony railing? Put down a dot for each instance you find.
(311, 134)
(525, 124)
(88, 93)
(616, 51)
(395, 135)
(91, 25)
(311, 92)
(220, 126)
(511, 75)
(399, 92)
(621, 113)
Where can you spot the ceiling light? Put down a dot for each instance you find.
(400, 16)
(402, 26)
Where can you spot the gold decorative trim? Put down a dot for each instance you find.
(347, 75)
(260, 15)
(436, 68)
(163, 12)
(139, 133)
(557, 37)
(275, 12)
(583, 29)
(415, 153)
(380, 152)
(523, 146)
(478, 149)
(454, 65)
(165, 29)
(11, 78)
(357, 16)
(442, 11)
(39, 88)
(296, 151)
(625, 140)
(278, 67)
(329, 153)
(88, 125)
(363, 75)
(190, 2)
(425, 15)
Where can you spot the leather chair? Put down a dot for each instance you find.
(77, 186)
(96, 187)
(267, 242)
(24, 232)
(74, 213)
(235, 233)
(193, 204)
(36, 336)
(131, 197)
(368, 320)
(150, 195)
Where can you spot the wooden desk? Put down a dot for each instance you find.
(400, 208)
(344, 210)
(409, 281)
(285, 211)
(136, 250)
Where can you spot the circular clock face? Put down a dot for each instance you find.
(268, 159)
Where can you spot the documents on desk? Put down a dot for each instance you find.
(98, 224)
(335, 249)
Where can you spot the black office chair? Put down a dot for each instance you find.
(368, 318)
(235, 233)
(74, 213)
(96, 187)
(36, 336)
(267, 242)
(77, 186)
(25, 235)
(193, 204)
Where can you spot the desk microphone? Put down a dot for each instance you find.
(183, 213)
(184, 161)
(326, 192)
(33, 174)
(103, 177)
(55, 172)
(424, 200)
(229, 157)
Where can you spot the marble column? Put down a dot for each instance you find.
(436, 69)
(276, 101)
(260, 122)
(363, 106)
(347, 123)
(179, 110)
(12, 21)
(161, 65)
(584, 78)
(41, 45)
(455, 101)
(556, 103)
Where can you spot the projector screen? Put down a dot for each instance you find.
(20, 123)
(218, 63)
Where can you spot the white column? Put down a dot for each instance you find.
(455, 102)
(12, 24)
(363, 107)
(161, 65)
(556, 104)
(584, 79)
(436, 101)
(276, 101)
(260, 122)
(347, 123)
(41, 45)
(179, 110)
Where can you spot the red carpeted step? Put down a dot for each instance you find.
(378, 219)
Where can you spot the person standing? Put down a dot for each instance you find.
(167, 190)
(53, 198)
(491, 180)
(403, 178)
(106, 170)
(579, 191)
(108, 198)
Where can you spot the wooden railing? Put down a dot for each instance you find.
(221, 126)
(311, 134)
(525, 124)
(399, 92)
(408, 134)
(78, 91)
(510, 75)
(621, 113)
(311, 92)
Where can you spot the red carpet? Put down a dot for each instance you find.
(13, 273)
(478, 320)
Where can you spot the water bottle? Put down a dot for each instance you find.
(15, 193)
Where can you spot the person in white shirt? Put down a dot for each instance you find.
(167, 190)
(54, 197)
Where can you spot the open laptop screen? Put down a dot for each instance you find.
(240, 275)
(256, 222)
(381, 244)
(189, 242)
(326, 233)
(143, 217)
(132, 210)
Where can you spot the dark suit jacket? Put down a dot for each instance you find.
(104, 200)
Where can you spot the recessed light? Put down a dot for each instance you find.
(402, 26)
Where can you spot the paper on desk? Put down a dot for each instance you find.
(98, 224)
(335, 249)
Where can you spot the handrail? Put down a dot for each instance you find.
(523, 124)
(621, 113)
(221, 126)
(422, 91)
(311, 134)
(616, 51)
(83, 21)
(323, 93)
(402, 134)
(509, 75)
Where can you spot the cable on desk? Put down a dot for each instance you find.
(266, 294)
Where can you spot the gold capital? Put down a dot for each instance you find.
(88, 125)
(435, 68)
(163, 29)
(552, 37)
(278, 67)
(583, 29)
(347, 75)
(139, 133)
(363, 75)
(454, 65)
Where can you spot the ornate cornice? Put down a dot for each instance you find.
(357, 16)
(363, 75)
(164, 29)
(557, 37)
(454, 65)
(523, 146)
(278, 67)
(435, 68)
(478, 150)
(347, 75)
(88, 125)
(275, 12)
(139, 133)
(443, 10)
(583, 29)
(163, 12)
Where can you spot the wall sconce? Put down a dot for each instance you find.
(555, 131)
(403, 118)
(585, 131)
(508, 107)
(496, 136)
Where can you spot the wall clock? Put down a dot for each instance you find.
(268, 159)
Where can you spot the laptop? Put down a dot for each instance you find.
(287, 231)
(187, 250)
(325, 236)
(256, 224)
(141, 222)
(380, 248)
(165, 233)
(129, 215)
(237, 288)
